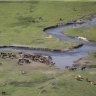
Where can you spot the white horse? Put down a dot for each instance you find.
(50, 36)
(83, 38)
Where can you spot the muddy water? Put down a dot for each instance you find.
(63, 59)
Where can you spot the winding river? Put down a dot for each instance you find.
(67, 58)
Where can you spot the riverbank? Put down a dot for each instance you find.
(40, 49)
(87, 32)
(88, 62)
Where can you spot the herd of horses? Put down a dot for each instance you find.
(23, 58)
(73, 68)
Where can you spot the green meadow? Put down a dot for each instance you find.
(87, 32)
(22, 23)
(37, 79)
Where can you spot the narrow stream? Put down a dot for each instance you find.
(63, 59)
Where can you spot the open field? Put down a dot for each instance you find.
(22, 23)
(87, 32)
(36, 79)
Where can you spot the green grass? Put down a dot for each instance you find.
(55, 81)
(17, 27)
(17, 21)
(87, 32)
(49, 0)
(88, 60)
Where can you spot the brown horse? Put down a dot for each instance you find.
(23, 60)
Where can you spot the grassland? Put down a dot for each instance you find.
(87, 32)
(21, 23)
(37, 79)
